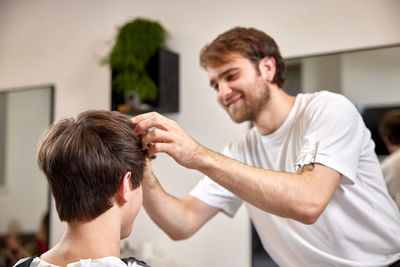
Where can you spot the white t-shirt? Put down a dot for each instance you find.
(361, 224)
(101, 262)
(391, 172)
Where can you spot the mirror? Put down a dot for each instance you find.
(369, 78)
(25, 113)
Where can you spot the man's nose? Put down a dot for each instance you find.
(224, 91)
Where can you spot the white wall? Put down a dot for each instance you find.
(62, 41)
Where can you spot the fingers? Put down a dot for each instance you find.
(149, 120)
(156, 136)
(151, 139)
(167, 136)
(141, 117)
(158, 147)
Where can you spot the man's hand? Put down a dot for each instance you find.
(167, 137)
(148, 177)
(179, 218)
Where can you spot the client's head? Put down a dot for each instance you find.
(88, 160)
(390, 130)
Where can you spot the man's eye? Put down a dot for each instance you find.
(215, 86)
(231, 77)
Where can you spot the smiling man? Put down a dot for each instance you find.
(306, 171)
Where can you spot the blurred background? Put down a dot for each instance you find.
(52, 51)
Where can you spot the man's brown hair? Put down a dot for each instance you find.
(247, 42)
(390, 126)
(85, 159)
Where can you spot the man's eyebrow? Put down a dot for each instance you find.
(222, 74)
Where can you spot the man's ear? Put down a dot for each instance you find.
(388, 144)
(267, 68)
(125, 187)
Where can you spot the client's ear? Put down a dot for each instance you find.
(390, 147)
(125, 187)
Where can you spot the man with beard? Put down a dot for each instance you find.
(306, 171)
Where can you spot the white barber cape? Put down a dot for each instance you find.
(102, 262)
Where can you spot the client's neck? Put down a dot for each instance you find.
(95, 239)
(87, 240)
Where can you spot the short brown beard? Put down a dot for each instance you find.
(252, 110)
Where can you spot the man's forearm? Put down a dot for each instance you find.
(179, 218)
(165, 210)
(300, 196)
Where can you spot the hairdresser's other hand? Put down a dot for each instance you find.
(149, 180)
(147, 171)
(167, 137)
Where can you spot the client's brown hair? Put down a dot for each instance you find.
(85, 159)
(390, 126)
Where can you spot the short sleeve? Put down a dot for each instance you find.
(217, 196)
(334, 135)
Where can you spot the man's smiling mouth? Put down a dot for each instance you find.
(234, 101)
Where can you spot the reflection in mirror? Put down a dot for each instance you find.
(25, 113)
(369, 78)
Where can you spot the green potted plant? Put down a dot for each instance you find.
(137, 41)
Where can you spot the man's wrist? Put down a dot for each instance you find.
(149, 181)
(205, 160)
